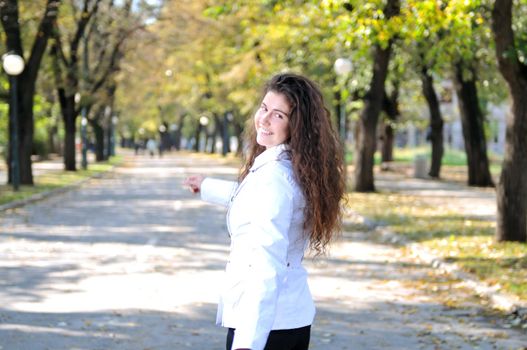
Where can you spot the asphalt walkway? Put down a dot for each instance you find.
(133, 260)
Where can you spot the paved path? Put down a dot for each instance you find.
(132, 261)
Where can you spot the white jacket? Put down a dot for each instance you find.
(265, 286)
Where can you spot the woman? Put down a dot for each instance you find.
(287, 199)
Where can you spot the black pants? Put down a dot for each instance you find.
(283, 339)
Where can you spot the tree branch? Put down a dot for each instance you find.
(504, 38)
(115, 56)
(9, 17)
(41, 40)
(82, 23)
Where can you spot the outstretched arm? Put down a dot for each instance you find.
(214, 191)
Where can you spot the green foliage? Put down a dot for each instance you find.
(4, 132)
(43, 123)
(520, 29)
(216, 11)
(220, 53)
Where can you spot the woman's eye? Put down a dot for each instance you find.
(262, 108)
(279, 116)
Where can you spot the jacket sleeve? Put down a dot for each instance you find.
(270, 218)
(217, 191)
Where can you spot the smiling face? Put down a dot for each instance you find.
(272, 120)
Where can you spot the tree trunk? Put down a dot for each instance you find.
(69, 115)
(512, 185)
(208, 139)
(26, 92)
(473, 129)
(391, 108)
(225, 138)
(387, 145)
(365, 147)
(366, 142)
(108, 139)
(98, 130)
(67, 106)
(238, 132)
(341, 119)
(367, 123)
(27, 79)
(99, 141)
(337, 96)
(218, 132)
(197, 135)
(177, 136)
(436, 122)
(165, 142)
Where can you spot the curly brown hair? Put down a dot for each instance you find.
(316, 155)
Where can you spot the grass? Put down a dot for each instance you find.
(453, 160)
(54, 180)
(450, 157)
(464, 240)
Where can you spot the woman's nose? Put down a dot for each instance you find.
(264, 118)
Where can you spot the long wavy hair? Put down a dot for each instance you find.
(316, 155)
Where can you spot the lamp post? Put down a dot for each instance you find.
(203, 122)
(14, 65)
(162, 138)
(84, 138)
(84, 141)
(115, 120)
(227, 118)
(342, 68)
(84, 109)
(109, 131)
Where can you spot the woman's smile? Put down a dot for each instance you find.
(264, 131)
(272, 120)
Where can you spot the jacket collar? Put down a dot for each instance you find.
(278, 152)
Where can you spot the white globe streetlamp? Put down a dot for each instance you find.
(204, 121)
(342, 66)
(13, 65)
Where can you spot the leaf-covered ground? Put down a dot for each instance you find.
(451, 233)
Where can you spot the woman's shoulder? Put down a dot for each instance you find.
(279, 170)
